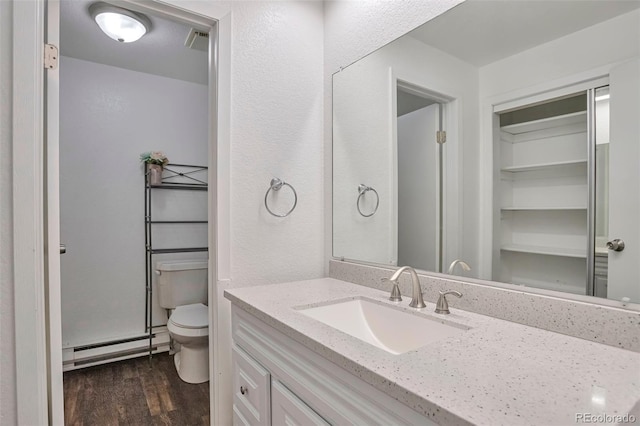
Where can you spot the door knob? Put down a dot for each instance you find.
(615, 245)
(63, 248)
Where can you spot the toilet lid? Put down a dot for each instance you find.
(190, 316)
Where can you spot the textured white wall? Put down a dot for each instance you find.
(7, 354)
(108, 116)
(276, 131)
(353, 29)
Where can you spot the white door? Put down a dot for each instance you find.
(624, 181)
(52, 205)
(418, 191)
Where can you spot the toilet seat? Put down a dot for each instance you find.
(190, 320)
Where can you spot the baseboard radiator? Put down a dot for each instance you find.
(116, 350)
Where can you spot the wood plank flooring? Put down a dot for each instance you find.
(130, 393)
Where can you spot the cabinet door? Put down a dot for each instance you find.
(624, 174)
(238, 417)
(251, 393)
(288, 409)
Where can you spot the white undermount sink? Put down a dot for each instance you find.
(384, 326)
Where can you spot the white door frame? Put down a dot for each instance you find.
(51, 200)
(35, 341)
(28, 214)
(452, 159)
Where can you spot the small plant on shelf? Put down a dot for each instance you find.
(154, 157)
(155, 161)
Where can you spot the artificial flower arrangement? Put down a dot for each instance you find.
(154, 157)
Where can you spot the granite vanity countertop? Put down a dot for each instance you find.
(496, 373)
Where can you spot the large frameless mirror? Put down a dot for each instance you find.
(498, 141)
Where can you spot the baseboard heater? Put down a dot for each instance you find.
(113, 350)
(111, 343)
(111, 357)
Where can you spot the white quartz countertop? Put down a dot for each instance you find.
(496, 373)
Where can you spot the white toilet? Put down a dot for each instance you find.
(182, 288)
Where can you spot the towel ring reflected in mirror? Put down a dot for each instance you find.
(363, 189)
(275, 185)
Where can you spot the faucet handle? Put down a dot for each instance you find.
(442, 307)
(395, 290)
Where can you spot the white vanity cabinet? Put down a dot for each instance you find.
(278, 381)
(260, 401)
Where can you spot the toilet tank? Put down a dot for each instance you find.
(181, 282)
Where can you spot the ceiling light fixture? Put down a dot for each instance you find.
(119, 24)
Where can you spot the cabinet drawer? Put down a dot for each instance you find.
(251, 390)
(288, 409)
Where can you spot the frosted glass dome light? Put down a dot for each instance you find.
(119, 24)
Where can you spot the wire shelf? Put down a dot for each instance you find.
(183, 177)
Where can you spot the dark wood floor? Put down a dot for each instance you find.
(130, 393)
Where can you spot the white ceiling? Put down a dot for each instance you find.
(160, 52)
(480, 32)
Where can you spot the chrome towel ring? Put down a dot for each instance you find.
(363, 189)
(276, 185)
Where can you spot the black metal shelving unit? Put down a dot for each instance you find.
(176, 177)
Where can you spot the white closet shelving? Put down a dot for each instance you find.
(549, 251)
(542, 166)
(546, 124)
(543, 195)
(516, 208)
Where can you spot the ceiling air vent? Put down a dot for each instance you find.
(197, 40)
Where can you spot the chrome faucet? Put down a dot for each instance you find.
(416, 300)
(462, 264)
